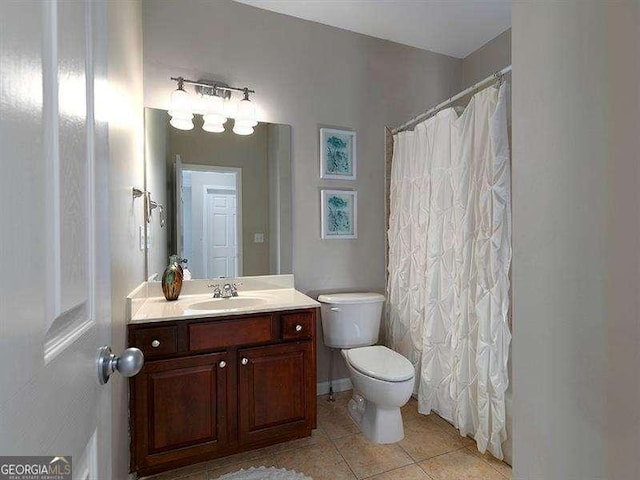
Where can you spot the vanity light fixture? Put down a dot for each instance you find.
(215, 104)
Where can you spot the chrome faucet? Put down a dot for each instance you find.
(227, 290)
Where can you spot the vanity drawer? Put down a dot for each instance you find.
(157, 341)
(229, 333)
(296, 325)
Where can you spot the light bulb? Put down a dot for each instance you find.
(214, 108)
(246, 123)
(246, 110)
(180, 103)
(241, 129)
(210, 125)
(245, 118)
(181, 123)
(181, 110)
(230, 108)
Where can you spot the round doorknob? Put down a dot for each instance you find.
(222, 364)
(298, 328)
(244, 361)
(128, 364)
(155, 343)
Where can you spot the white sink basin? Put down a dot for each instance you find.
(232, 303)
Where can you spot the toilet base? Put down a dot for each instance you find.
(378, 424)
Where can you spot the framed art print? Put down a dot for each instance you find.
(337, 154)
(339, 214)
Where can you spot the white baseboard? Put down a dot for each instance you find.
(339, 385)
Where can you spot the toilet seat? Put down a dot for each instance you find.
(380, 362)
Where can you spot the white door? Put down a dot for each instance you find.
(54, 289)
(220, 238)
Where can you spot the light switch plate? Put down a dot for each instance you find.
(258, 238)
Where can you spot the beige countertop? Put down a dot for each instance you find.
(157, 309)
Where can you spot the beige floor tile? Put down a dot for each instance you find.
(499, 465)
(181, 473)
(265, 461)
(410, 409)
(410, 472)
(367, 458)
(424, 439)
(237, 459)
(451, 430)
(458, 465)
(195, 476)
(333, 417)
(317, 437)
(321, 462)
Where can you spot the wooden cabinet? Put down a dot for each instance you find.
(214, 387)
(274, 391)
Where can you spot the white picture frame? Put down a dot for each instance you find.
(339, 214)
(338, 154)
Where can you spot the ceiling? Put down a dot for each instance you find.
(451, 27)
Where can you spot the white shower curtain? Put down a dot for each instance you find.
(449, 258)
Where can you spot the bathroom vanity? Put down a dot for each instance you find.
(221, 376)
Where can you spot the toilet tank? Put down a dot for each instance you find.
(351, 319)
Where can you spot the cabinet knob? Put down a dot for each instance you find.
(298, 328)
(244, 361)
(222, 364)
(155, 343)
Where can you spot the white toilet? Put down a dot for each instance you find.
(382, 379)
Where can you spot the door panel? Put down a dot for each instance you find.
(179, 409)
(53, 199)
(220, 247)
(273, 390)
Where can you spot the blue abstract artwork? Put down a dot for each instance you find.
(338, 154)
(339, 214)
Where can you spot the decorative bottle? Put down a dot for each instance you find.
(172, 279)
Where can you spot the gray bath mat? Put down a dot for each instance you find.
(264, 473)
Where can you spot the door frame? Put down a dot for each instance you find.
(213, 169)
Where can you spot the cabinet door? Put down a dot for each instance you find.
(180, 410)
(276, 390)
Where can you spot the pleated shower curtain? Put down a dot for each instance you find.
(449, 259)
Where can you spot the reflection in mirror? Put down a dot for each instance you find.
(227, 198)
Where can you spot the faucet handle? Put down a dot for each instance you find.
(234, 288)
(216, 290)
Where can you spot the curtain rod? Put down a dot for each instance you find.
(423, 116)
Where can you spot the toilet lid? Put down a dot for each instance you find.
(381, 363)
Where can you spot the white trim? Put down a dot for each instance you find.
(91, 162)
(323, 224)
(339, 385)
(323, 157)
(88, 464)
(58, 344)
(50, 114)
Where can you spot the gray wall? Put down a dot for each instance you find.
(156, 144)
(488, 59)
(126, 170)
(306, 75)
(576, 187)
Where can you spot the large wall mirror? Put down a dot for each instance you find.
(226, 198)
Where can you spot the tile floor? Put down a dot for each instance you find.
(431, 450)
